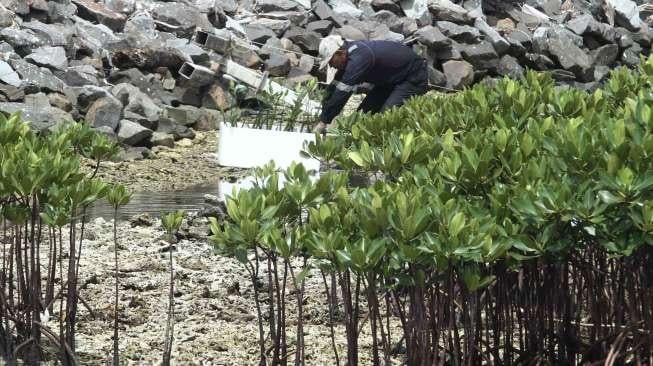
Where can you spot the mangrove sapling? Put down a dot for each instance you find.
(238, 238)
(171, 222)
(332, 305)
(117, 197)
(43, 191)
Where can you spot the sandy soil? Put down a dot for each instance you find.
(189, 163)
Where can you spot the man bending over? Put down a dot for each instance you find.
(394, 71)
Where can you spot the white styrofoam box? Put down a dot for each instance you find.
(244, 147)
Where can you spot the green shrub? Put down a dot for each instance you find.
(511, 224)
(43, 193)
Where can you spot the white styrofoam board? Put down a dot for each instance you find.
(244, 147)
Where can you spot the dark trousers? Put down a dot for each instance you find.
(383, 97)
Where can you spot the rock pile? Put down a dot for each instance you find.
(117, 64)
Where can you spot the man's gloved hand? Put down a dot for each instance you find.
(365, 88)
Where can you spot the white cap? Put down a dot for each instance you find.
(328, 47)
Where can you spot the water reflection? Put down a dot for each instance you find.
(190, 199)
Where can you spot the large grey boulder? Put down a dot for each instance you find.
(259, 33)
(56, 34)
(106, 111)
(322, 27)
(37, 78)
(323, 11)
(277, 26)
(520, 41)
(97, 12)
(272, 45)
(188, 50)
(218, 97)
(432, 37)
(140, 30)
(85, 95)
(389, 5)
(549, 7)
(449, 53)
(449, 11)
(586, 25)
(543, 35)
(278, 64)
(383, 33)
(180, 18)
(601, 73)
(571, 57)
(50, 57)
(481, 55)
(501, 45)
(131, 133)
(60, 12)
(626, 14)
(394, 22)
(643, 36)
(510, 67)
(630, 56)
(605, 55)
(351, 33)
(344, 7)
(540, 62)
(97, 37)
(152, 124)
(417, 10)
(307, 40)
(121, 6)
(460, 33)
(16, 6)
(162, 139)
(79, 75)
(228, 6)
(22, 40)
(136, 101)
(184, 115)
(436, 77)
(266, 6)
(459, 74)
(39, 117)
(8, 75)
(624, 38)
(7, 17)
(306, 63)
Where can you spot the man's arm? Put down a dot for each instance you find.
(357, 64)
(334, 103)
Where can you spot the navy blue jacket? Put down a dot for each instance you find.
(381, 63)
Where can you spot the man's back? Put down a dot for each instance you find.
(377, 62)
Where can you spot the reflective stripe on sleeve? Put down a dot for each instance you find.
(344, 87)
